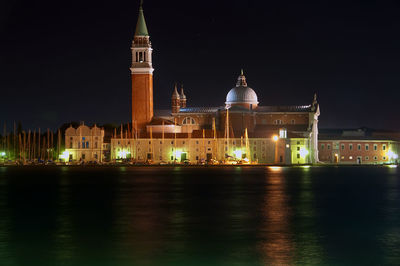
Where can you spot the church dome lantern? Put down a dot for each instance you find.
(241, 95)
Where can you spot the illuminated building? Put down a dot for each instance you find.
(84, 144)
(358, 146)
(241, 129)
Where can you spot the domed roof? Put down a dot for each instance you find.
(241, 93)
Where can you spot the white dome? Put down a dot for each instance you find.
(241, 93)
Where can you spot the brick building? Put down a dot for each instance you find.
(358, 146)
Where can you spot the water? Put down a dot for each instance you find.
(200, 216)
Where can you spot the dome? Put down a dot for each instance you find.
(241, 94)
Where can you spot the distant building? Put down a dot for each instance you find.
(358, 146)
(239, 129)
(85, 144)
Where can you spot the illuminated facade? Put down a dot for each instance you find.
(84, 144)
(358, 146)
(240, 130)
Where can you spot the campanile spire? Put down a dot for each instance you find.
(142, 73)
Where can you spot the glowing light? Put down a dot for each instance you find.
(64, 155)
(306, 166)
(3, 153)
(275, 138)
(123, 154)
(392, 155)
(246, 160)
(178, 154)
(392, 165)
(275, 168)
(303, 152)
(238, 154)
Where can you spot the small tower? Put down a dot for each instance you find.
(182, 98)
(175, 100)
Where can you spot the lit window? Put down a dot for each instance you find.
(282, 133)
(278, 122)
(351, 157)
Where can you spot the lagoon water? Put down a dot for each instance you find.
(199, 216)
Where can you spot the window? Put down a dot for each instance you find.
(298, 143)
(209, 149)
(183, 142)
(188, 121)
(328, 146)
(209, 142)
(292, 122)
(83, 156)
(87, 144)
(95, 145)
(375, 158)
(197, 157)
(322, 146)
(140, 57)
(384, 147)
(137, 57)
(278, 122)
(384, 158)
(172, 157)
(149, 141)
(172, 142)
(298, 148)
(351, 147)
(298, 156)
(342, 146)
(70, 145)
(359, 147)
(160, 141)
(282, 133)
(366, 147)
(255, 156)
(197, 142)
(366, 158)
(375, 147)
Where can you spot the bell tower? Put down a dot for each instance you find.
(142, 74)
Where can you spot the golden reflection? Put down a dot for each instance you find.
(275, 168)
(276, 246)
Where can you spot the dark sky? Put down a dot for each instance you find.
(69, 60)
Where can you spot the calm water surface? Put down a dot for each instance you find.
(200, 216)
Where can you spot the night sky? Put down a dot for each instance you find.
(64, 61)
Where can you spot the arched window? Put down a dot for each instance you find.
(278, 122)
(140, 57)
(188, 121)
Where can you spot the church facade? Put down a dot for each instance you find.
(240, 130)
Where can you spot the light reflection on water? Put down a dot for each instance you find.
(199, 216)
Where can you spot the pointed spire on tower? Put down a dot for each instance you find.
(175, 94)
(183, 96)
(141, 28)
